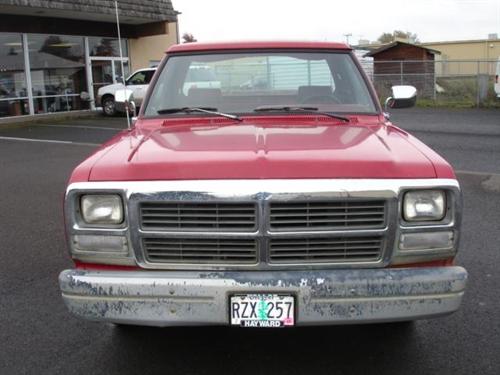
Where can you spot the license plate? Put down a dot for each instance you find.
(262, 310)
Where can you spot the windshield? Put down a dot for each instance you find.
(243, 82)
(200, 74)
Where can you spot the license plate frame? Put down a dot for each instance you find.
(262, 310)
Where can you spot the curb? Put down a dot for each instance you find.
(52, 118)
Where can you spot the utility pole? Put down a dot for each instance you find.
(347, 36)
(122, 65)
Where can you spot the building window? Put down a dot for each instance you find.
(13, 91)
(55, 70)
(58, 75)
(107, 47)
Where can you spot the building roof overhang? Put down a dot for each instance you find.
(131, 12)
(398, 43)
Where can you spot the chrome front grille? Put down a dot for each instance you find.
(326, 215)
(256, 224)
(200, 250)
(291, 232)
(248, 228)
(325, 249)
(198, 216)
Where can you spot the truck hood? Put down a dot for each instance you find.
(261, 150)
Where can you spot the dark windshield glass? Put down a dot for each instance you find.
(241, 82)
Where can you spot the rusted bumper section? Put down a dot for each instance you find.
(166, 298)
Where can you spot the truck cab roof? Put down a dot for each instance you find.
(224, 46)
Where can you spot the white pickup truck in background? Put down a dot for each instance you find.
(137, 84)
(112, 97)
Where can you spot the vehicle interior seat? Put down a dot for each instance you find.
(204, 97)
(308, 94)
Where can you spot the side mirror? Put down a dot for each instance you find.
(133, 111)
(123, 95)
(402, 97)
(124, 102)
(132, 108)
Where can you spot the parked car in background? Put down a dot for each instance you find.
(137, 85)
(292, 203)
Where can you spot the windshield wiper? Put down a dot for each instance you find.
(312, 110)
(208, 110)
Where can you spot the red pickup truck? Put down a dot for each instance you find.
(281, 196)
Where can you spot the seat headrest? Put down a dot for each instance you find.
(305, 92)
(204, 97)
(195, 92)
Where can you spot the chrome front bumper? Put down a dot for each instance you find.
(164, 298)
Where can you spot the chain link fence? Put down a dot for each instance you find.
(447, 82)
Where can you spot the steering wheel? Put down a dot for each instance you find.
(321, 99)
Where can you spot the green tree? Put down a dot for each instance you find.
(188, 38)
(390, 37)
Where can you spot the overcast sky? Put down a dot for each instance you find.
(432, 20)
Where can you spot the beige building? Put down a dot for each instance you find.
(149, 50)
(467, 57)
(480, 49)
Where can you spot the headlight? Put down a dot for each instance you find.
(424, 205)
(102, 209)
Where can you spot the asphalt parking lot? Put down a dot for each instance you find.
(38, 336)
